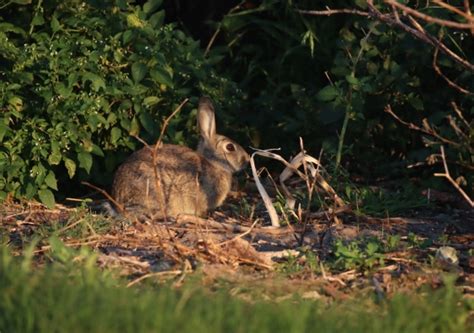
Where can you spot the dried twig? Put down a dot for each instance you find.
(119, 206)
(427, 38)
(245, 233)
(447, 175)
(157, 177)
(167, 121)
(309, 175)
(266, 199)
(460, 115)
(156, 274)
(448, 81)
(426, 130)
(467, 15)
(219, 28)
(394, 20)
(467, 8)
(329, 12)
(429, 18)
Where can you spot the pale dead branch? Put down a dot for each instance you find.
(428, 18)
(447, 175)
(448, 80)
(263, 193)
(310, 175)
(425, 130)
(394, 19)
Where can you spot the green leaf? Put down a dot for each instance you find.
(352, 80)
(116, 134)
(139, 71)
(54, 158)
(122, 4)
(147, 121)
(327, 94)
(162, 76)
(50, 180)
(151, 5)
(39, 172)
(127, 36)
(16, 103)
(31, 190)
(133, 21)
(96, 80)
(55, 26)
(3, 130)
(96, 150)
(134, 127)
(47, 198)
(151, 100)
(63, 90)
(157, 19)
(85, 161)
(125, 105)
(38, 19)
(70, 166)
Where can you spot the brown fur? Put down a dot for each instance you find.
(187, 181)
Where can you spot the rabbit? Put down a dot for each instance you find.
(186, 181)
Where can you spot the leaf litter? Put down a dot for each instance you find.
(332, 253)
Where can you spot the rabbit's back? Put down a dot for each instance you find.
(184, 182)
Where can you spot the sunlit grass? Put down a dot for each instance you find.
(72, 295)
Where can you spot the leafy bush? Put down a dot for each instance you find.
(79, 79)
(328, 79)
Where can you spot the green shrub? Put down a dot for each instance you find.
(79, 79)
(328, 79)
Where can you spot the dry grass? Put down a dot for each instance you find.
(244, 252)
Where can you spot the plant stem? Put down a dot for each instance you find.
(340, 145)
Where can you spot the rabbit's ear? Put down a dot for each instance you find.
(206, 118)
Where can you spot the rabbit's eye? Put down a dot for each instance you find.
(230, 147)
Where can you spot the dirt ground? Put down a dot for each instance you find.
(244, 253)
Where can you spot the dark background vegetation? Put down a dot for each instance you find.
(80, 79)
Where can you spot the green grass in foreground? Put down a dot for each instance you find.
(72, 295)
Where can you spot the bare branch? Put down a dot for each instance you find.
(448, 81)
(423, 36)
(460, 115)
(427, 130)
(394, 20)
(154, 157)
(119, 207)
(428, 18)
(166, 122)
(467, 8)
(467, 15)
(447, 175)
(329, 12)
(218, 30)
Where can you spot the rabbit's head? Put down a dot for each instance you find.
(215, 147)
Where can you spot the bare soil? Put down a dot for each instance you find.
(255, 260)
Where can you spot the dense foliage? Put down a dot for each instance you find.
(80, 78)
(328, 79)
